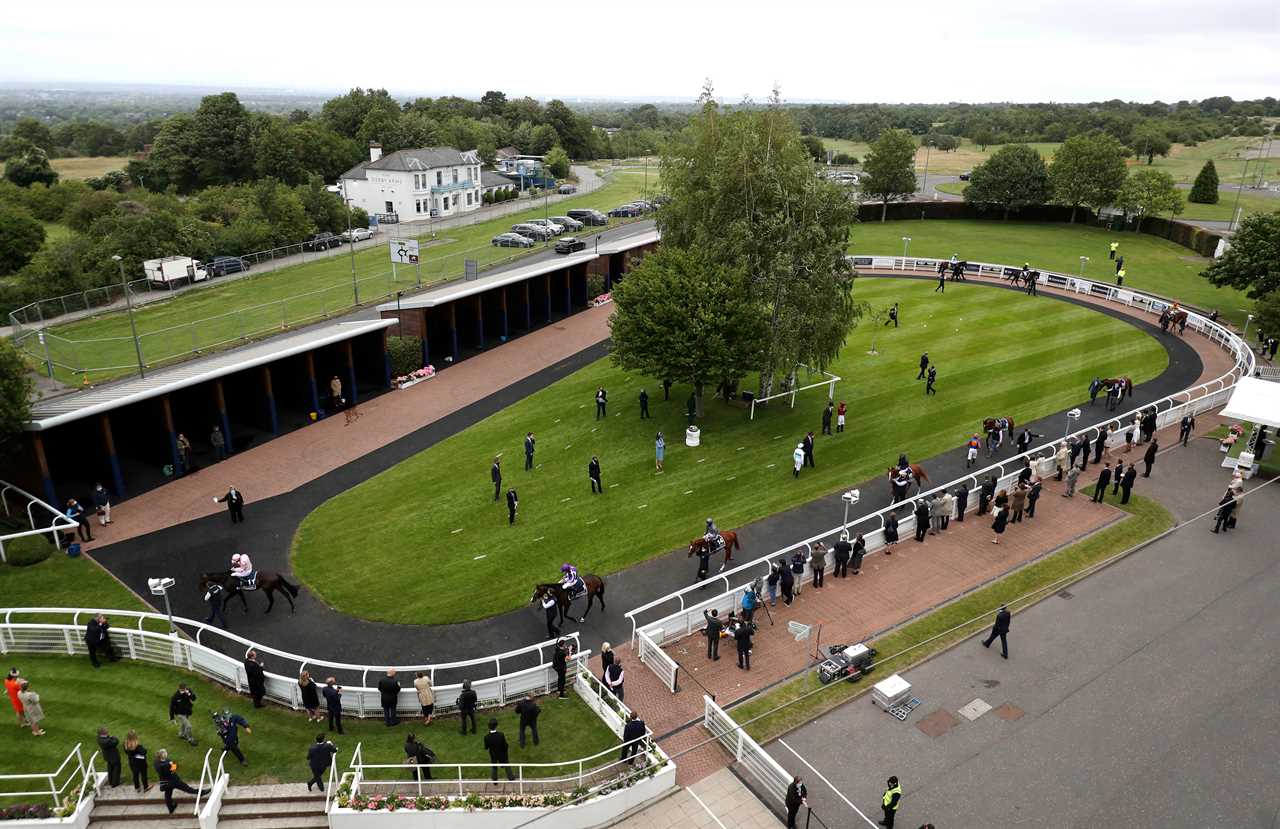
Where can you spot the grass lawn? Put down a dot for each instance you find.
(966, 157)
(55, 232)
(805, 697)
(1151, 263)
(1006, 353)
(1229, 157)
(221, 314)
(59, 581)
(84, 167)
(1249, 203)
(955, 188)
(78, 699)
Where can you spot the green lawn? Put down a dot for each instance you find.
(967, 156)
(803, 698)
(1249, 203)
(220, 315)
(955, 188)
(55, 232)
(1005, 353)
(1229, 157)
(1151, 263)
(78, 699)
(60, 581)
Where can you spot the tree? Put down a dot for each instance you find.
(542, 139)
(1013, 177)
(346, 113)
(35, 132)
(1205, 189)
(813, 145)
(683, 316)
(28, 165)
(1148, 140)
(1266, 313)
(889, 169)
(1088, 170)
(494, 102)
(1149, 192)
(277, 153)
(1252, 264)
(213, 145)
(20, 237)
(984, 137)
(16, 388)
(558, 162)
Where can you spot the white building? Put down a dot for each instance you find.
(432, 181)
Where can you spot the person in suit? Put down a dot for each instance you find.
(633, 733)
(320, 758)
(1100, 488)
(420, 756)
(930, 379)
(97, 637)
(797, 795)
(924, 364)
(807, 446)
(840, 552)
(214, 596)
(467, 700)
(1126, 483)
(1073, 475)
(389, 697)
(257, 678)
(985, 494)
(528, 450)
(593, 472)
(962, 501)
(513, 502)
(1185, 427)
(1149, 458)
(1033, 495)
(495, 742)
(234, 500)
(109, 748)
(1099, 445)
(742, 638)
(893, 316)
(332, 693)
(1001, 629)
(644, 405)
(1226, 506)
(1116, 475)
(602, 399)
(495, 475)
(922, 518)
(560, 664)
(170, 782)
(826, 417)
(528, 710)
(714, 626)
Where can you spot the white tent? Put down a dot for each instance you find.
(1254, 400)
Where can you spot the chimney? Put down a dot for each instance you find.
(375, 151)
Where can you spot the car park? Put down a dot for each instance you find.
(223, 265)
(357, 234)
(322, 241)
(531, 231)
(512, 240)
(588, 216)
(567, 189)
(567, 222)
(555, 229)
(570, 244)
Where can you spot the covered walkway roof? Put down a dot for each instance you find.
(1255, 400)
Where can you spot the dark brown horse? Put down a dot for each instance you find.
(595, 590)
(917, 473)
(990, 423)
(731, 543)
(269, 581)
(1126, 384)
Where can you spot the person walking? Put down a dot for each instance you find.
(818, 563)
(136, 754)
(495, 475)
(1185, 427)
(807, 445)
(841, 410)
(797, 460)
(1033, 496)
(551, 610)
(1149, 457)
(602, 400)
(75, 511)
(1024, 440)
(12, 686)
(889, 801)
(1226, 506)
(931, 378)
(1073, 474)
(924, 365)
(614, 678)
(332, 693)
(102, 504)
(467, 700)
(1001, 521)
(797, 796)
(893, 316)
(219, 443)
(1000, 629)
(1126, 483)
(32, 710)
(228, 725)
(235, 504)
(840, 553)
(593, 472)
(942, 278)
(1017, 503)
(659, 451)
(256, 677)
(742, 638)
(389, 697)
(97, 637)
(529, 442)
(962, 502)
(513, 502)
(1100, 488)
(826, 417)
(319, 759)
(560, 664)
(712, 631)
(644, 405)
(1112, 252)
(170, 782)
(214, 596)
(633, 734)
(426, 696)
(181, 706)
(109, 749)
(527, 710)
(971, 450)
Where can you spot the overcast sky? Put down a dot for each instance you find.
(924, 51)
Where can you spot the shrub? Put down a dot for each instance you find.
(845, 158)
(28, 550)
(1205, 189)
(406, 354)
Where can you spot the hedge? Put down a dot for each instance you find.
(28, 550)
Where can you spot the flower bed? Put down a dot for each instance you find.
(413, 378)
(602, 300)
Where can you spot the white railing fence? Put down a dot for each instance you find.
(687, 617)
(58, 522)
(55, 785)
(771, 776)
(358, 700)
(219, 780)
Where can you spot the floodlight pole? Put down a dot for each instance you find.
(351, 242)
(924, 185)
(1235, 210)
(133, 327)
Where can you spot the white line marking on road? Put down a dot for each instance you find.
(818, 774)
(570, 498)
(707, 809)
(455, 532)
(477, 558)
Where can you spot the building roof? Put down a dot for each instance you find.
(1256, 401)
(413, 161)
(45, 414)
(506, 152)
(488, 179)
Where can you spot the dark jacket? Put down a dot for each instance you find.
(389, 691)
(229, 729)
(181, 703)
(332, 697)
(633, 730)
(1104, 477)
(560, 660)
(233, 498)
(495, 473)
(467, 701)
(512, 498)
(95, 633)
(528, 711)
(841, 551)
(1002, 621)
(496, 743)
(310, 695)
(101, 498)
(528, 445)
(606, 659)
(796, 794)
(138, 756)
(253, 672)
(743, 637)
(110, 750)
(320, 756)
(593, 469)
(714, 625)
(786, 577)
(1150, 456)
(1130, 475)
(165, 771)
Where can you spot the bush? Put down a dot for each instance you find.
(28, 550)
(595, 285)
(406, 354)
(845, 159)
(1205, 189)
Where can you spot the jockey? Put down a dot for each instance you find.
(570, 580)
(902, 461)
(241, 567)
(712, 535)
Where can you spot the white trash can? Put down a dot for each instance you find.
(692, 436)
(1244, 463)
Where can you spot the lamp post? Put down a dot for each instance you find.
(346, 202)
(399, 318)
(906, 240)
(850, 498)
(160, 587)
(128, 301)
(1083, 261)
(1244, 335)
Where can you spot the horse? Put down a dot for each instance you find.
(1178, 317)
(991, 423)
(917, 473)
(731, 543)
(1126, 384)
(268, 580)
(595, 590)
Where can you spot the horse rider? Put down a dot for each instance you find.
(570, 581)
(902, 462)
(712, 536)
(242, 568)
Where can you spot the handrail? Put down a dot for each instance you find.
(1244, 362)
(90, 775)
(331, 790)
(60, 520)
(52, 790)
(205, 772)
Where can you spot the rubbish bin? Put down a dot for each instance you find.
(1245, 464)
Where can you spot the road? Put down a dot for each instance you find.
(1143, 696)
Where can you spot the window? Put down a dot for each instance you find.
(439, 178)
(468, 198)
(417, 206)
(391, 208)
(455, 175)
(455, 199)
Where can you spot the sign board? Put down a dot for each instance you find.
(801, 632)
(472, 269)
(404, 251)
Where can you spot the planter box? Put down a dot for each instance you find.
(415, 381)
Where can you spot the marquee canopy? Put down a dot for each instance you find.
(1255, 400)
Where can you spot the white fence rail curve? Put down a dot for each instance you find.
(58, 522)
(649, 636)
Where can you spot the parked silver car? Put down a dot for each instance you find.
(567, 223)
(556, 229)
(512, 240)
(532, 231)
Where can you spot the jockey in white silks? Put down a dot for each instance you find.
(241, 567)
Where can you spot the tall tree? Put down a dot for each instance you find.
(889, 169)
(346, 113)
(28, 164)
(494, 102)
(1013, 177)
(683, 316)
(1148, 193)
(1088, 170)
(35, 132)
(558, 162)
(1253, 262)
(1266, 312)
(16, 388)
(1205, 189)
(1149, 141)
(20, 237)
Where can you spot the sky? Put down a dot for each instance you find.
(920, 51)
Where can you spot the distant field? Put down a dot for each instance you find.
(1222, 211)
(87, 167)
(55, 232)
(968, 156)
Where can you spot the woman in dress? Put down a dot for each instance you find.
(890, 531)
(998, 525)
(31, 707)
(310, 697)
(659, 450)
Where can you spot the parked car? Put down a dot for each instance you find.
(567, 189)
(322, 241)
(357, 234)
(570, 244)
(567, 223)
(512, 240)
(625, 211)
(645, 206)
(223, 265)
(588, 216)
(555, 229)
(965, 175)
(535, 232)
